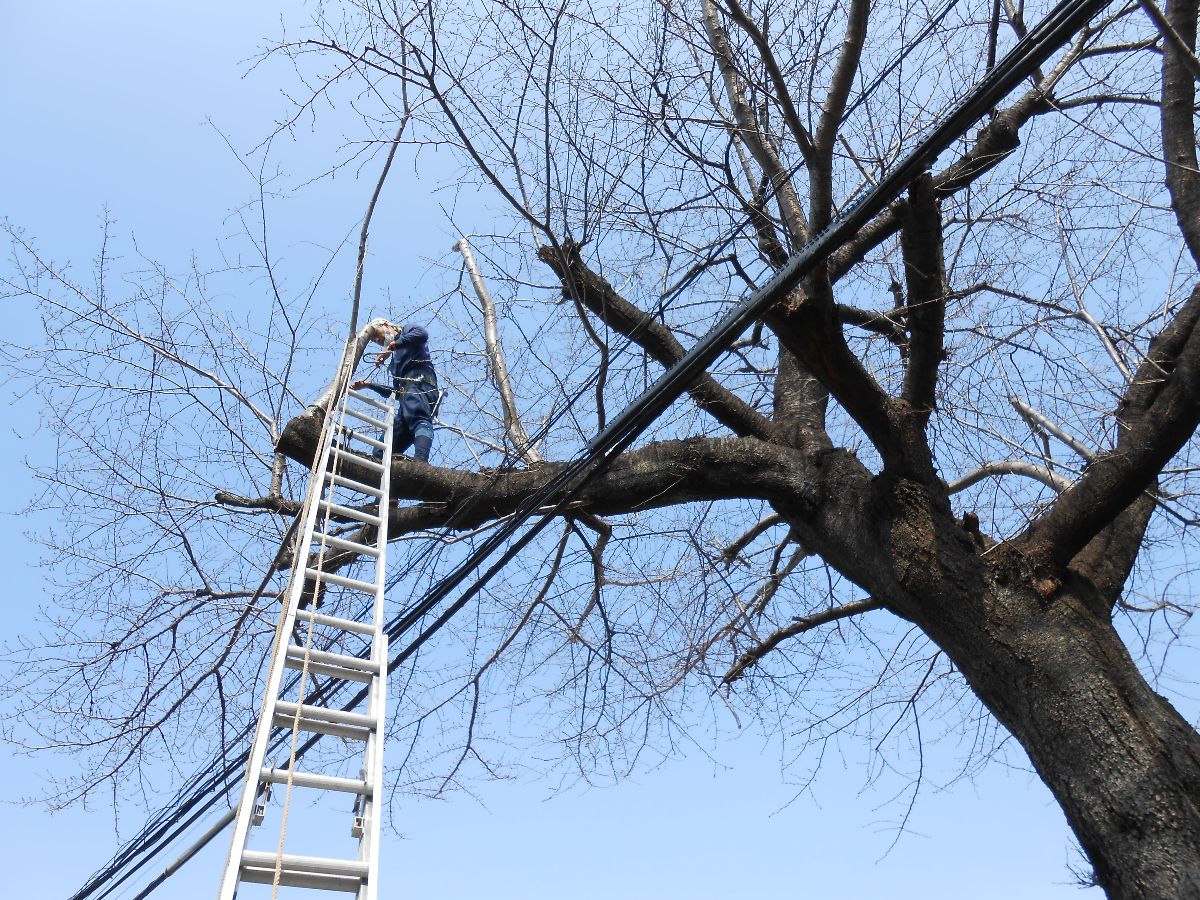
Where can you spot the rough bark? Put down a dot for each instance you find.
(1045, 659)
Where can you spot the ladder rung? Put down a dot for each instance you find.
(339, 623)
(348, 668)
(359, 436)
(343, 544)
(370, 666)
(304, 871)
(367, 462)
(363, 417)
(349, 732)
(353, 485)
(367, 587)
(310, 880)
(367, 399)
(316, 668)
(326, 714)
(339, 722)
(357, 514)
(321, 782)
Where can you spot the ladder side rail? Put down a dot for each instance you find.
(381, 542)
(371, 805)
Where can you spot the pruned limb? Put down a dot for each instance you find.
(1039, 422)
(517, 435)
(752, 656)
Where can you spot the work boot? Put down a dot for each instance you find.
(421, 445)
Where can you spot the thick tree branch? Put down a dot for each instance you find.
(661, 474)
(595, 293)
(925, 274)
(800, 403)
(1158, 415)
(820, 178)
(1179, 125)
(809, 328)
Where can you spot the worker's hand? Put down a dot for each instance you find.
(361, 383)
(381, 358)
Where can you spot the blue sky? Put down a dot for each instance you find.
(108, 106)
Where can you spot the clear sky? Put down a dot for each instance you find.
(106, 106)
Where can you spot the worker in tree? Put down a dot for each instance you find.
(406, 352)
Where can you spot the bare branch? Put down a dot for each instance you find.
(517, 435)
(752, 656)
(747, 126)
(1046, 476)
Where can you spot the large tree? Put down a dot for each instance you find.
(975, 418)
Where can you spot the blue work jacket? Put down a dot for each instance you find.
(410, 359)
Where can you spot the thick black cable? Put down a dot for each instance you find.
(1068, 17)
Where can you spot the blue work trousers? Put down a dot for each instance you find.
(414, 410)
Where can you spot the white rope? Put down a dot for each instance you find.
(332, 469)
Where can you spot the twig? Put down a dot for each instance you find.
(799, 626)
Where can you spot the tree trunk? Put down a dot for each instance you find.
(1122, 763)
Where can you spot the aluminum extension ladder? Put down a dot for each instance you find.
(306, 642)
